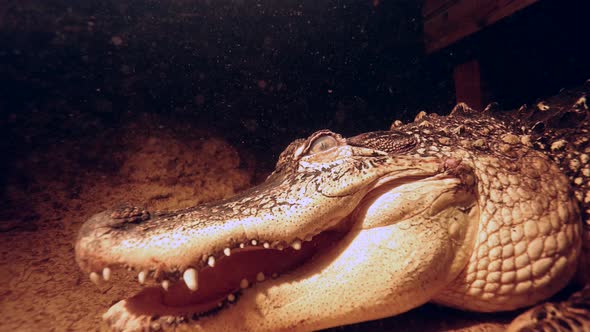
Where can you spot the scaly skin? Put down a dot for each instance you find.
(529, 233)
(480, 211)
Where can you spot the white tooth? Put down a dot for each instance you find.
(296, 244)
(141, 277)
(254, 242)
(242, 245)
(231, 297)
(280, 247)
(266, 245)
(106, 274)
(211, 261)
(244, 283)
(190, 278)
(165, 284)
(260, 277)
(309, 238)
(274, 275)
(227, 251)
(94, 278)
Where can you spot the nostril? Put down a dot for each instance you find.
(127, 214)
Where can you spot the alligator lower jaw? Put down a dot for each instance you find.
(217, 286)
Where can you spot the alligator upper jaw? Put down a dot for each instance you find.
(283, 212)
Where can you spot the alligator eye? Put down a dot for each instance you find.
(323, 143)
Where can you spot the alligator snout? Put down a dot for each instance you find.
(90, 244)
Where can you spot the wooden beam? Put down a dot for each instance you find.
(468, 84)
(447, 21)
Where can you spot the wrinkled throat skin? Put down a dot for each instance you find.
(351, 229)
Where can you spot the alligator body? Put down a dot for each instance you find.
(482, 211)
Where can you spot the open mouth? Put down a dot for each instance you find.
(214, 287)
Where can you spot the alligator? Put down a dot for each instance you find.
(482, 211)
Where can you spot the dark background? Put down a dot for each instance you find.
(260, 72)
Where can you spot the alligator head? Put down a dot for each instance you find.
(462, 210)
(344, 230)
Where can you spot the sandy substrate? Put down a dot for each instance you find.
(41, 287)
